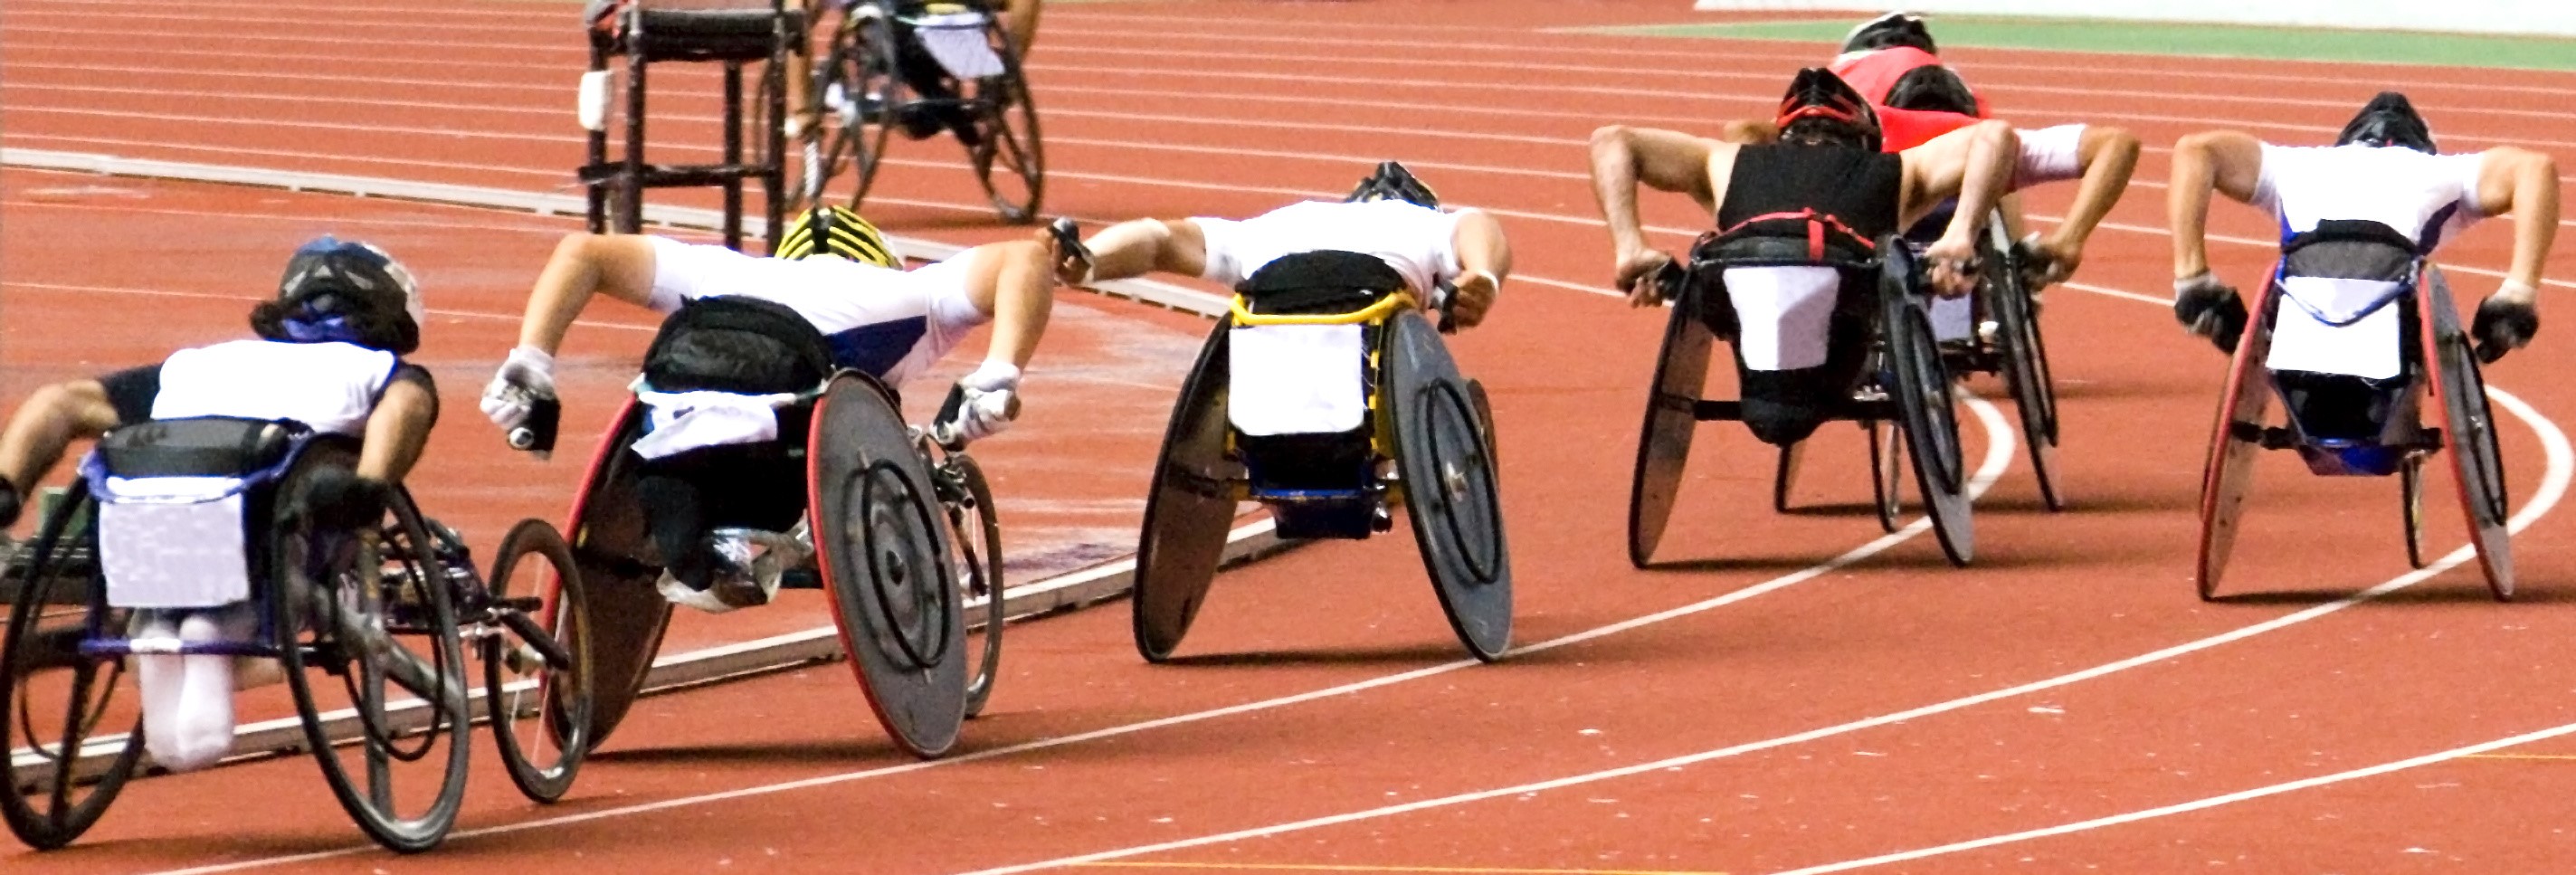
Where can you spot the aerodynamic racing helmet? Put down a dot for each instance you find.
(1932, 88)
(343, 291)
(841, 234)
(1821, 107)
(1885, 31)
(2389, 120)
(1391, 182)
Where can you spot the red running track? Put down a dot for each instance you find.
(1786, 720)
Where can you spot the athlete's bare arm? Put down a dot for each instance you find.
(2228, 162)
(1484, 260)
(1745, 131)
(1011, 282)
(47, 424)
(1135, 248)
(1973, 164)
(617, 265)
(2108, 155)
(1624, 157)
(1020, 18)
(2524, 183)
(397, 430)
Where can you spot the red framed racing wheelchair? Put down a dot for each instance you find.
(1904, 388)
(378, 630)
(2361, 289)
(1400, 425)
(897, 530)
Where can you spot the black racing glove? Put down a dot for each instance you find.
(337, 498)
(2210, 309)
(2503, 325)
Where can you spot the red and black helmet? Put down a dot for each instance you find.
(1820, 106)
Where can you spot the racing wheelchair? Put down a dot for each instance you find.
(2015, 351)
(1903, 388)
(916, 68)
(2371, 328)
(1325, 395)
(896, 525)
(375, 627)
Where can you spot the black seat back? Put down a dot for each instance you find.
(2350, 249)
(205, 446)
(1320, 282)
(737, 344)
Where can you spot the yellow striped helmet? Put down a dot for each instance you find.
(841, 233)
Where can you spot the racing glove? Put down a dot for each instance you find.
(525, 378)
(2210, 309)
(983, 405)
(2505, 322)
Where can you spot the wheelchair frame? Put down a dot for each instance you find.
(865, 56)
(920, 682)
(2438, 359)
(433, 592)
(1433, 425)
(1906, 388)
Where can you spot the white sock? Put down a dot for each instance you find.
(188, 700)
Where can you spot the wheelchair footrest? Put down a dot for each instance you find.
(107, 648)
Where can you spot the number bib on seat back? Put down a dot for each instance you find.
(172, 495)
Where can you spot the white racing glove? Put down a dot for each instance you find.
(525, 378)
(988, 401)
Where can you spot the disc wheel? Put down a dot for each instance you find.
(882, 547)
(1920, 384)
(2478, 460)
(55, 701)
(1188, 509)
(370, 632)
(975, 551)
(1009, 158)
(1445, 458)
(1671, 419)
(854, 98)
(2025, 359)
(2410, 480)
(537, 660)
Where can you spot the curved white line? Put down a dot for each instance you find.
(2001, 446)
(2553, 487)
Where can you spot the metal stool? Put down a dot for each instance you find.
(732, 36)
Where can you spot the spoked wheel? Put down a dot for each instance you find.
(1672, 418)
(2025, 359)
(56, 702)
(537, 661)
(1921, 387)
(854, 96)
(1886, 466)
(975, 548)
(372, 646)
(2469, 426)
(2410, 481)
(1009, 159)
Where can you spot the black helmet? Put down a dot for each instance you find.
(2389, 120)
(344, 291)
(1892, 29)
(1392, 182)
(1934, 88)
(1820, 105)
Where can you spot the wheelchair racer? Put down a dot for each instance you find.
(2383, 168)
(704, 468)
(1800, 334)
(1390, 215)
(328, 355)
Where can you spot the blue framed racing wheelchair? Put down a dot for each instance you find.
(2352, 329)
(896, 524)
(376, 628)
(1326, 396)
(1886, 368)
(917, 69)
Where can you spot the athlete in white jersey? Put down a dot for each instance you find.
(329, 357)
(1390, 215)
(2383, 169)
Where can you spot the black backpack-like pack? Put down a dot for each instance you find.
(737, 344)
(1320, 282)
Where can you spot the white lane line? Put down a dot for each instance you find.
(2558, 461)
(2553, 486)
(215, 296)
(2001, 447)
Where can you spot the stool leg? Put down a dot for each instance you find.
(596, 192)
(733, 153)
(630, 214)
